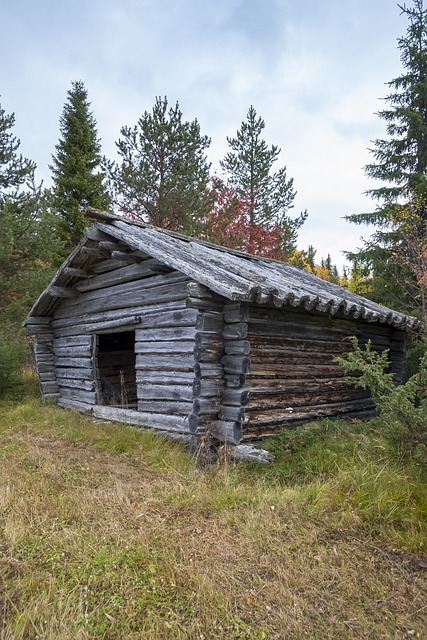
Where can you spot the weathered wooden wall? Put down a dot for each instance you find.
(293, 374)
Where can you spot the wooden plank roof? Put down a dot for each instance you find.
(229, 273)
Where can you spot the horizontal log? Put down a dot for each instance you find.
(73, 362)
(72, 372)
(73, 341)
(261, 314)
(74, 272)
(95, 252)
(40, 320)
(74, 351)
(69, 403)
(110, 245)
(126, 257)
(159, 392)
(44, 366)
(49, 387)
(47, 376)
(161, 268)
(210, 321)
(290, 359)
(277, 403)
(234, 380)
(126, 298)
(118, 276)
(305, 414)
(80, 395)
(50, 397)
(164, 421)
(235, 331)
(237, 347)
(236, 312)
(238, 397)
(128, 416)
(207, 388)
(206, 405)
(227, 431)
(173, 362)
(43, 348)
(73, 383)
(154, 315)
(37, 330)
(45, 337)
(170, 407)
(273, 386)
(203, 305)
(231, 412)
(199, 291)
(105, 265)
(165, 377)
(297, 371)
(236, 364)
(299, 344)
(208, 370)
(208, 354)
(165, 334)
(61, 292)
(208, 340)
(115, 326)
(98, 236)
(157, 347)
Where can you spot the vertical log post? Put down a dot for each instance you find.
(208, 372)
(237, 366)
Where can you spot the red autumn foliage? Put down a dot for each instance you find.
(228, 224)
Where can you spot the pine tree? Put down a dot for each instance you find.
(27, 243)
(16, 171)
(20, 201)
(400, 164)
(163, 177)
(77, 179)
(249, 171)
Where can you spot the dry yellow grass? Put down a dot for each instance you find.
(108, 533)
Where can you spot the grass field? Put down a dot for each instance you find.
(108, 532)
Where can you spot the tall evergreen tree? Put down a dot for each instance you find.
(21, 219)
(163, 175)
(77, 179)
(27, 243)
(400, 164)
(249, 171)
(15, 171)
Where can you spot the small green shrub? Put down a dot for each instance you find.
(403, 408)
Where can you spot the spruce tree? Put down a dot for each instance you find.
(77, 178)
(249, 171)
(163, 175)
(400, 164)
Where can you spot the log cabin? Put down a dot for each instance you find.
(153, 328)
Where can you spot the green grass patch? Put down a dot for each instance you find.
(111, 532)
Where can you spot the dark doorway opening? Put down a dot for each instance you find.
(117, 369)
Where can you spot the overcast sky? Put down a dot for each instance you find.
(314, 70)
